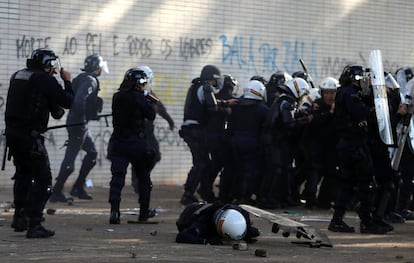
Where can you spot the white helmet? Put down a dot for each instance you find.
(150, 75)
(307, 100)
(254, 90)
(329, 83)
(298, 87)
(230, 223)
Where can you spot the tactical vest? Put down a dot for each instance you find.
(26, 107)
(127, 119)
(193, 109)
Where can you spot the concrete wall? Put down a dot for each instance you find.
(176, 38)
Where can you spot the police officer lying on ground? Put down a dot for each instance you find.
(211, 223)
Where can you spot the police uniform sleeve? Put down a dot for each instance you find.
(54, 91)
(145, 106)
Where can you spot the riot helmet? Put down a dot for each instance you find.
(297, 87)
(150, 75)
(351, 73)
(134, 77)
(230, 223)
(279, 78)
(229, 86)
(300, 74)
(210, 72)
(329, 83)
(404, 75)
(254, 90)
(93, 63)
(43, 58)
(259, 78)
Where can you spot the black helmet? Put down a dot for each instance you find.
(229, 82)
(42, 58)
(300, 74)
(94, 62)
(279, 78)
(350, 73)
(210, 72)
(259, 78)
(136, 76)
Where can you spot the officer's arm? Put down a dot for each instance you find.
(145, 106)
(54, 91)
(191, 235)
(210, 100)
(162, 111)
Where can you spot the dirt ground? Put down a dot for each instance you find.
(83, 234)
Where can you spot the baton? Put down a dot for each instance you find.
(65, 125)
(3, 164)
(307, 72)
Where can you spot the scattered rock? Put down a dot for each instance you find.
(260, 252)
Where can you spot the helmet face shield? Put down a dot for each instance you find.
(55, 65)
(365, 85)
(104, 66)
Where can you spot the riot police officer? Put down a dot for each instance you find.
(219, 147)
(130, 108)
(210, 223)
(86, 106)
(245, 128)
(275, 190)
(161, 110)
(322, 142)
(34, 94)
(200, 101)
(354, 156)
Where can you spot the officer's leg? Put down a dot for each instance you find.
(345, 192)
(144, 191)
(216, 165)
(118, 169)
(406, 188)
(40, 193)
(88, 162)
(21, 189)
(67, 167)
(194, 137)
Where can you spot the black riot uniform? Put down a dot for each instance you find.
(322, 141)
(200, 101)
(128, 144)
(245, 128)
(152, 141)
(33, 94)
(219, 147)
(86, 106)
(282, 129)
(197, 224)
(354, 156)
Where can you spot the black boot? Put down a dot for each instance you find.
(114, 218)
(19, 222)
(372, 228)
(145, 213)
(338, 225)
(39, 231)
(79, 192)
(57, 197)
(188, 198)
